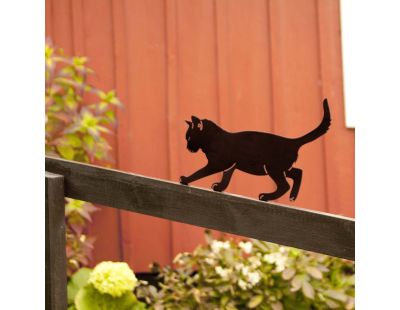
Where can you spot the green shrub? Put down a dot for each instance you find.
(224, 274)
(109, 286)
(78, 116)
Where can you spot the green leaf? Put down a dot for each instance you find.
(89, 141)
(307, 289)
(296, 283)
(66, 151)
(88, 120)
(77, 281)
(103, 129)
(79, 61)
(277, 306)
(224, 300)
(331, 304)
(110, 115)
(88, 298)
(74, 140)
(255, 301)
(288, 273)
(102, 106)
(48, 51)
(314, 272)
(102, 95)
(230, 306)
(336, 295)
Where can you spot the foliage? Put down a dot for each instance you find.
(78, 116)
(74, 126)
(108, 286)
(78, 280)
(224, 274)
(79, 245)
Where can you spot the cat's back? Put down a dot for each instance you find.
(259, 143)
(257, 137)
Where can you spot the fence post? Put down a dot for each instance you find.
(56, 278)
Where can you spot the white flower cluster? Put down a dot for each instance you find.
(254, 262)
(217, 245)
(224, 273)
(251, 276)
(276, 258)
(210, 260)
(246, 246)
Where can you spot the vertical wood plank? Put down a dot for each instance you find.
(222, 68)
(62, 25)
(196, 86)
(78, 27)
(297, 91)
(56, 261)
(93, 37)
(250, 102)
(49, 19)
(121, 87)
(143, 131)
(172, 101)
(339, 155)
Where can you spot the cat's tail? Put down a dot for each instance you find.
(320, 130)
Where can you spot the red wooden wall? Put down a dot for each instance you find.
(247, 64)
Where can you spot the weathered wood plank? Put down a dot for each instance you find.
(309, 230)
(56, 278)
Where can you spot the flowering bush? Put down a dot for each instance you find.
(224, 274)
(77, 118)
(108, 286)
(114, 279)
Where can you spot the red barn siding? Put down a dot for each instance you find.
(261, 65)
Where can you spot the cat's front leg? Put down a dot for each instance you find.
(203, 172)
(226, 177)
(183, 180)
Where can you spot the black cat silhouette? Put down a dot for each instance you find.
(253, 152)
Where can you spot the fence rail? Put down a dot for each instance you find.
(309, 230)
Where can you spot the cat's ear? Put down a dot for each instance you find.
(189, 123)
(197, 122)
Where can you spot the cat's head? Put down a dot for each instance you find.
(194, 134)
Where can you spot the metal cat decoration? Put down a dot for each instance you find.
(257, 153)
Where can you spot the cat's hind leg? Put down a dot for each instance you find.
(295, 174)
(226, 177)
(282, 186)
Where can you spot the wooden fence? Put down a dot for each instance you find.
(308, 230)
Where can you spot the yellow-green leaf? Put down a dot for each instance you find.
(74, 141)
(336, 295)
(89, 141)
(277, 306)
(255, 301)
(307, 289)
(296, 283)
(110, 115)
(224, 300)
(331, 304)
(288, 273)
(314, 272)
(66, 151)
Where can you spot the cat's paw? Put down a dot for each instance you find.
(217, 187)
(292, 198)
(264, 197)
(183, 180)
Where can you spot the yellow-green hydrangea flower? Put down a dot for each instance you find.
(113, 278)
